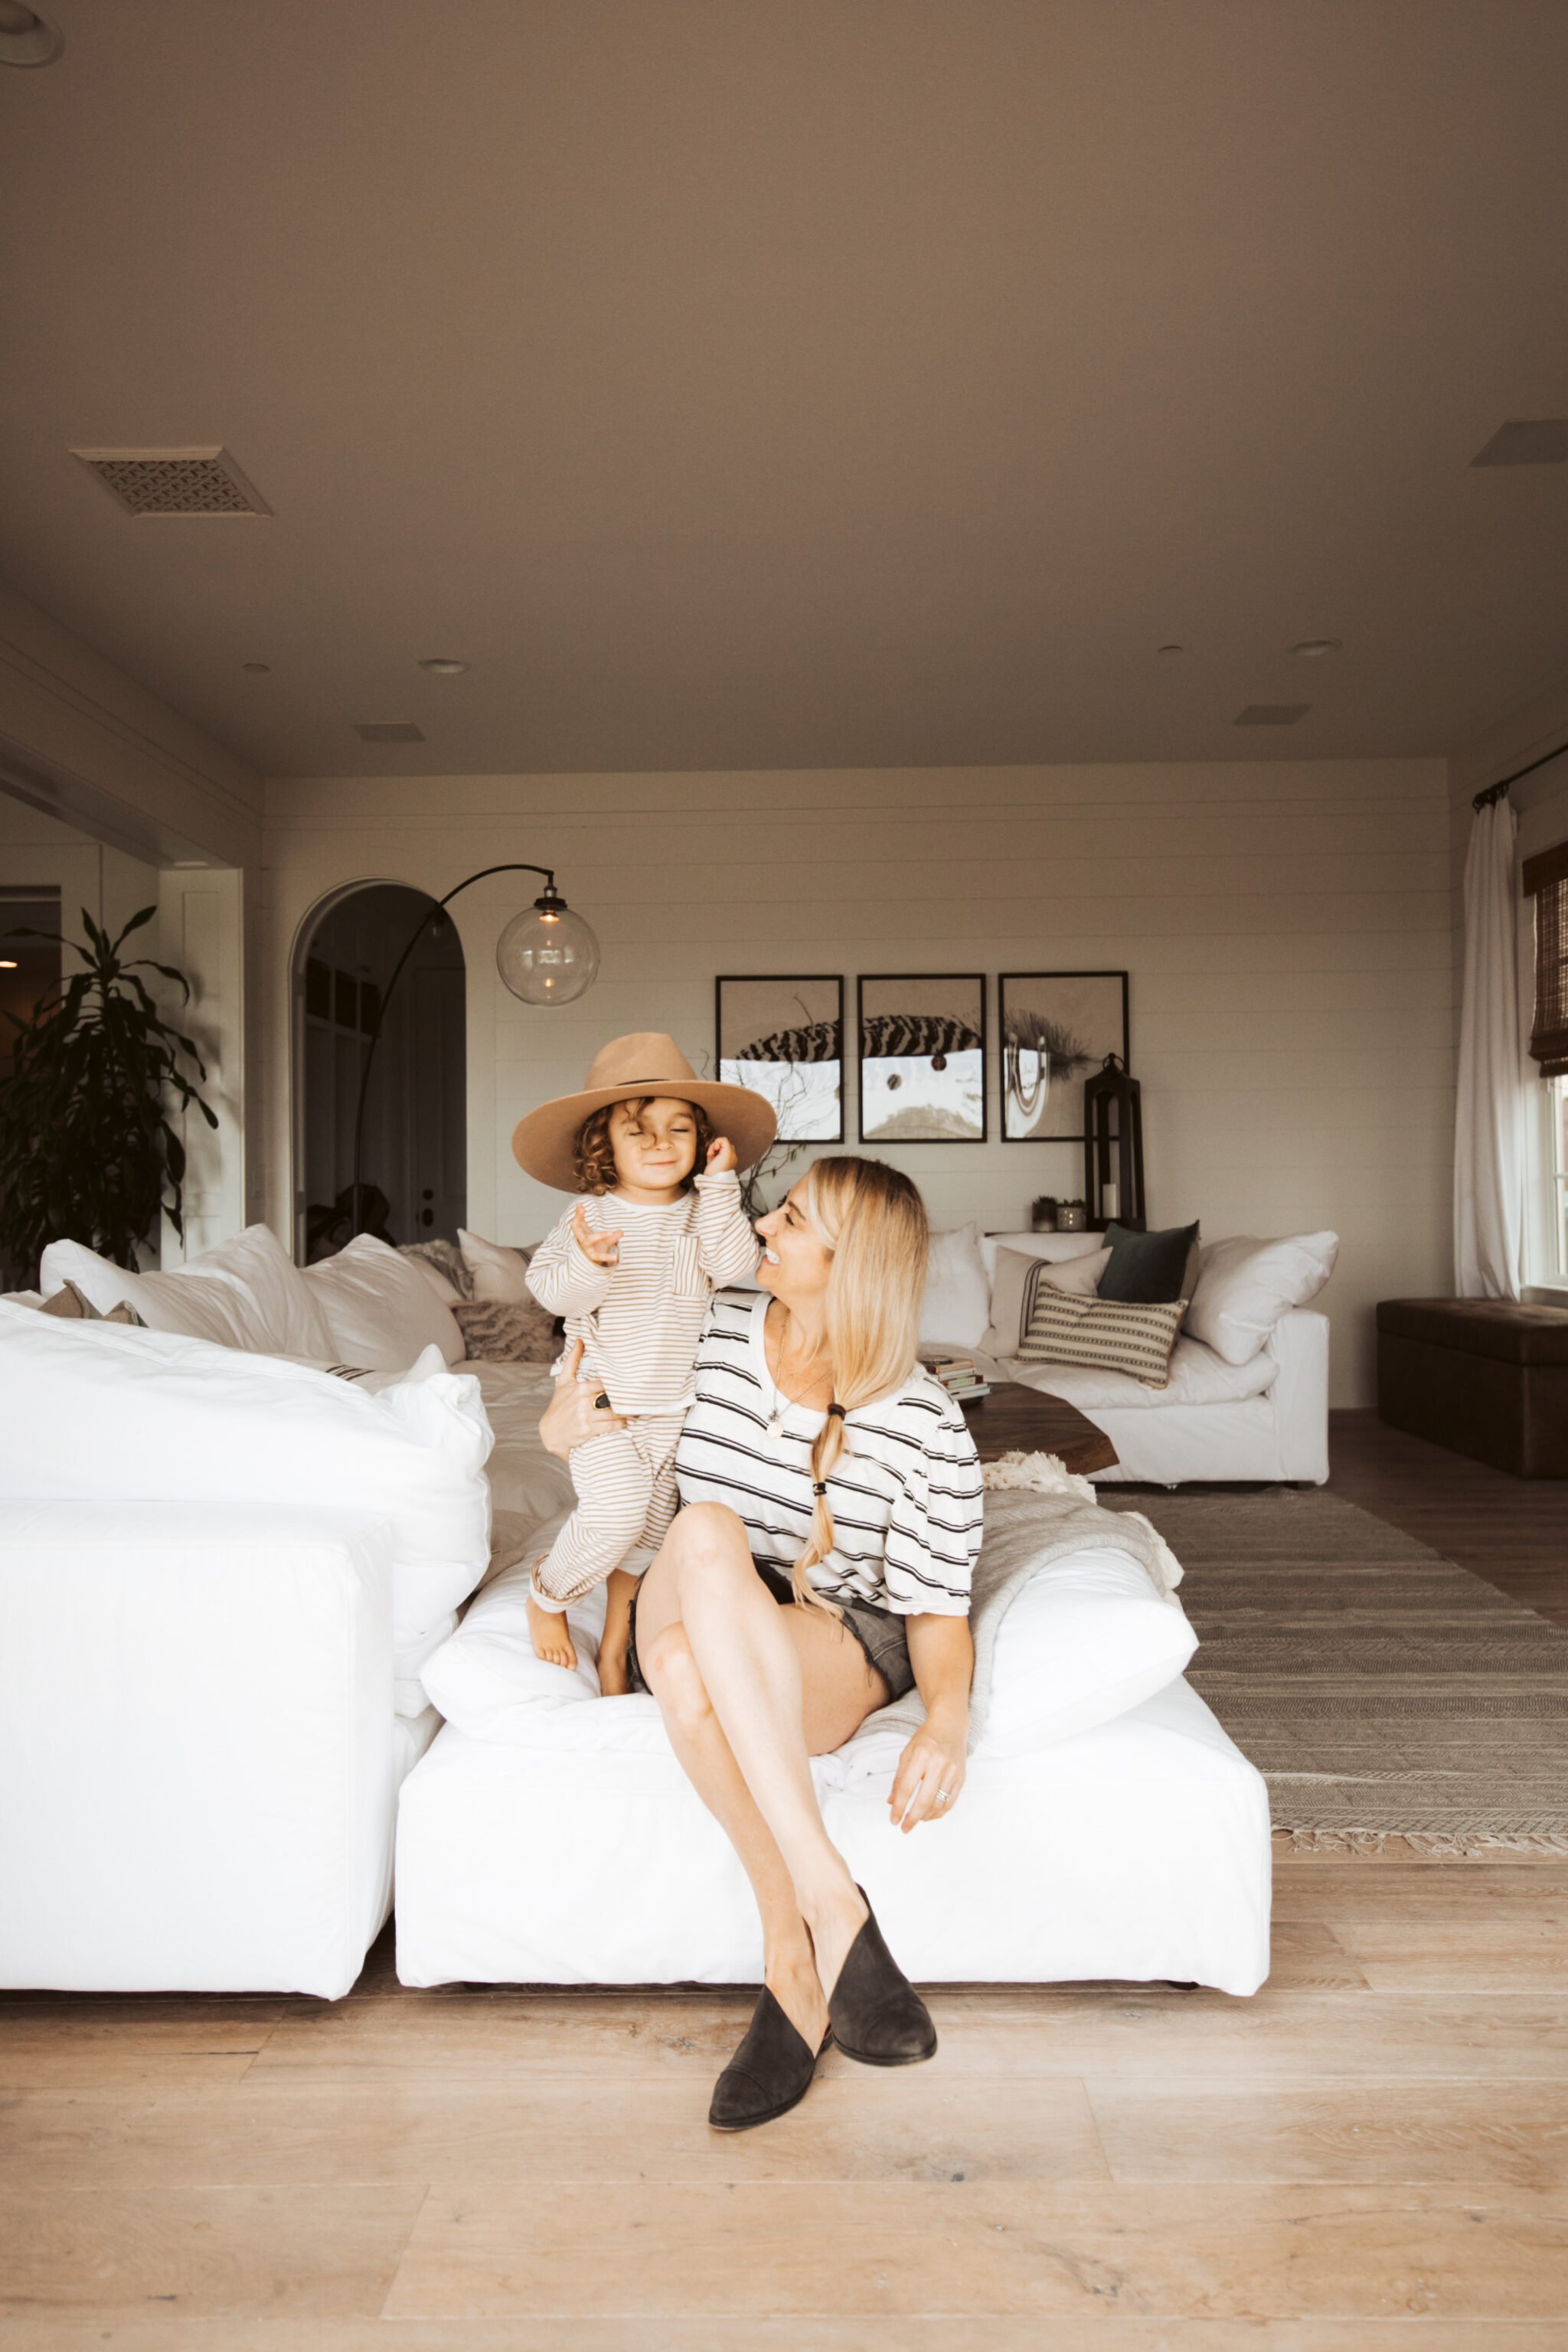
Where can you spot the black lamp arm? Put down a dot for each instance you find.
(427, 917)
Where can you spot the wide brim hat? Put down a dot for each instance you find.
(646, 1063)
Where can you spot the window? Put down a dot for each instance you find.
(1559, 1100)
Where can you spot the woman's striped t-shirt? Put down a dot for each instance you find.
(905, 1495)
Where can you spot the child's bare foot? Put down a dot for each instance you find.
(615, 1643)
(552, 1641)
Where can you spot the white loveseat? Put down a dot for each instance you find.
(229, 1585)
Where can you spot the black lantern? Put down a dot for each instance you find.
(1113, 1148)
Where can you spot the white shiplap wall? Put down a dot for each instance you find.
(1287, 926)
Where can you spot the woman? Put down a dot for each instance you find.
(819, 1565)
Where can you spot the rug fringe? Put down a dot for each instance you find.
(1438, 1845)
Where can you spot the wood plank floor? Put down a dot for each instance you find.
(1372, 2152)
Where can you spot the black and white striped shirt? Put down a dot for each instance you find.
(905, 1496)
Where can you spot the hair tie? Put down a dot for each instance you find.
(818, 1487)
(834, 1410)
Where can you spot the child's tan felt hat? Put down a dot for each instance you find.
(645, 1063)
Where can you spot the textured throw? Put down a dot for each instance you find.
(1382, 1690)
(1105, 1334)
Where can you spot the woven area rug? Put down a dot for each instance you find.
(1382, 1690)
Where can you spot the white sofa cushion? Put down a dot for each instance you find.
(247, 1293)
(1245, 1287)
(379, 1310)
(1086, 1639)
(1197, 1377)
(92, 1411)
(956, 1306)
(499, 1275)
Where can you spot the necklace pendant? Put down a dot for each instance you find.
(775, 1426)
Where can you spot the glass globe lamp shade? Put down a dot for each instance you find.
(548, 955)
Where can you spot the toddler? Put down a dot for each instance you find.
(632, 1266)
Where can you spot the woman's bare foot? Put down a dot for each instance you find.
(838, 1920)
(615, 1677)
(792, 1978)
(552, 1641)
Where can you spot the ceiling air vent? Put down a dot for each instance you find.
(388, 730)
(1273, 714)
(174, 481)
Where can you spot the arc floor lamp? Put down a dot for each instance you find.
(545, 955)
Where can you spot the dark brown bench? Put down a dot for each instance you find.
(1482, 1376)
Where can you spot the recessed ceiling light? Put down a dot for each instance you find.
(443, 665)
(8, 963)
(1314, 648)
(388, 730)
(26, 37)
(1273, 714)
(1526, 441)
(1170, 649)
(258, 669)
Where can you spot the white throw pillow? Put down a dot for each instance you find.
(956, 1306)
(379, 1311)
(94, 1411)
(1077, 1272)
(1245, 1287)
(1054, 1247)
(1087, 1638)
(247, 1293)
(500, 1274)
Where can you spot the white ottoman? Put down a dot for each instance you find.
(1138, 1850)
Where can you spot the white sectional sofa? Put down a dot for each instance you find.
(230, 1588)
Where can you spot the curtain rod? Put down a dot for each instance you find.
(1496, 792)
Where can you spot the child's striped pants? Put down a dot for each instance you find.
(626, 1501)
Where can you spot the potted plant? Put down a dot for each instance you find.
(1043, 1213)
(87, 1151)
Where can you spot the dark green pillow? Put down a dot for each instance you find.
(1147, 1269)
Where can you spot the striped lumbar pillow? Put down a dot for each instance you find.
(1108, 1335)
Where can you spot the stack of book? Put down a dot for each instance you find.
(959, 1376)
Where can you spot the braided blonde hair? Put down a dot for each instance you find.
(872, 1220)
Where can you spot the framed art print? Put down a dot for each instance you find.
(922, 1057)
(784, 1037)
(1056, 1030)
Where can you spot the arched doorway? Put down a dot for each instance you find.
(416, 1125)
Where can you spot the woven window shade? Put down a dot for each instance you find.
(1546, 881)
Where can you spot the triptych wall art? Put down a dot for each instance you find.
(921, 1051)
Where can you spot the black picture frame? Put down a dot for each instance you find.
(783, 983)
(926, 983)
(1096, 1045)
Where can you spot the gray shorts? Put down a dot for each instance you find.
(880, 1633)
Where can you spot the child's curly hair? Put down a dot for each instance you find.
(595, 1162)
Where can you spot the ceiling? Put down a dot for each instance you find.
(798, 382)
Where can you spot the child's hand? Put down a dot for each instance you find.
(720, 1157)
(603, 1249)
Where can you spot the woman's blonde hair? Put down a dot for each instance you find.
(873, 1219)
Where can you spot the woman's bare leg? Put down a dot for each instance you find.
(748, 1684)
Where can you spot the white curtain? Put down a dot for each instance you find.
(1490, 1130)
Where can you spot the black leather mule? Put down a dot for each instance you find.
(769, 2074)
(877, 2016)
